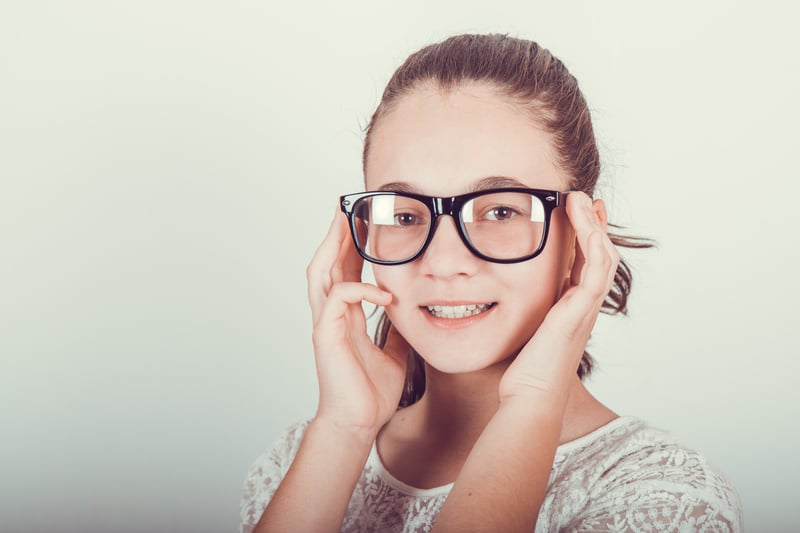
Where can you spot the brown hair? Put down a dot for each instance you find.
(532, 77)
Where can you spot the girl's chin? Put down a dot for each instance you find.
(460, 362)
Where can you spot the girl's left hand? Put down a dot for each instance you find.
(504, 479)
(548, 362)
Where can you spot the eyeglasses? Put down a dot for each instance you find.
(498, 225)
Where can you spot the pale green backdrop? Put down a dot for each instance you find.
(168, 167)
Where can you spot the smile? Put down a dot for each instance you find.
(458, 311)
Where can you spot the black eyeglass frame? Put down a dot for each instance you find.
(438, 206)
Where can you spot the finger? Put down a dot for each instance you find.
(585, 218)
(318, 272)
(577, 266)
(582, 217)
(349, 263)
(598, 270)
(577, 203)
(340, 299)
(599, 219)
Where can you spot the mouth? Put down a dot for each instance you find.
(458, 311)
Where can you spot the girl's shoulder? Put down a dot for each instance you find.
(628, 441)
(621, 435)
(283, 450)
(630, 471)
(266, 473)
(622, 476)
(286, 445)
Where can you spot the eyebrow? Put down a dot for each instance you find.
(398, 186)
(497, 182)
(492, 182)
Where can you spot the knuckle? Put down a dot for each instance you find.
(594, 288)
(314, 270)
(341, 290)
(335, 291)
(599, 291)
(317, 338)
(584, 298)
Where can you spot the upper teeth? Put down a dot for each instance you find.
(457, 311)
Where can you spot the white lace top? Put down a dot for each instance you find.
(624, 476)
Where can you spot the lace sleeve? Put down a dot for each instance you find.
(662, 489)
(265, 475)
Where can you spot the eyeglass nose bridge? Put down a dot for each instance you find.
(448, 206)
(444, 206)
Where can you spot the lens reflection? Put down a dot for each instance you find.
(391, 228)
(504, 225)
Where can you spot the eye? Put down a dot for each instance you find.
(406, 219)
(500, 213)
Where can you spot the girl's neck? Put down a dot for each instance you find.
(426, 444)
(460, 405)
(457, 407)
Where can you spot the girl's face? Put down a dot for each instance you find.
(449, 143)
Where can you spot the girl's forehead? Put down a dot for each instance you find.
(441, 142)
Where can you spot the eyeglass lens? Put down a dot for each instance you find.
(501, 225)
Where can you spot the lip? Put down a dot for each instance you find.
(453, 303)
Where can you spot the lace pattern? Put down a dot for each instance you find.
(623, 477)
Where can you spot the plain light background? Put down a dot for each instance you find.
(167, 169)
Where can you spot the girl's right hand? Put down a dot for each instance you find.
(359, 384)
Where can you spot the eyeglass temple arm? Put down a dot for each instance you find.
(565, 193)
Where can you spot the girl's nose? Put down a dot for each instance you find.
(447, 255)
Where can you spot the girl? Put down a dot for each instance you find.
(492, 263)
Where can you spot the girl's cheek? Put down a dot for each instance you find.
(387, 278)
